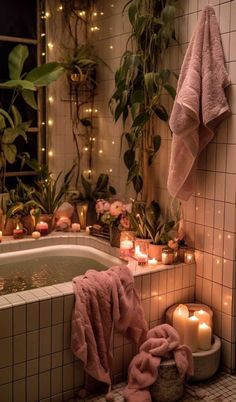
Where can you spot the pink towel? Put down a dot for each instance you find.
(104, 301)
(200, 103)
(162, 342)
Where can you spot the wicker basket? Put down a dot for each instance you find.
(169, 387)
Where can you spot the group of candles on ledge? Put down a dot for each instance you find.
(194, 331)
(139, 249)
(41, 229)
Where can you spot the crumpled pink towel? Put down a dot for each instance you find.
(104, 301)
(162, 342)
(200, 103)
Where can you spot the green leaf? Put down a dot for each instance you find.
(102, 182)
(137, 183)
(2, 123)
(18, 84)
(87, 187)
(161, 112)
(156, 142)
(112, 190)
(133, 171)
(129, 158)
(141, 119)
(9, 135)
(137, 96)
(45, 74)
(135, 108)
(130, 137)
(16, 60)
(10, 152)
(16, 115)
(2, 161)
(132, 11)
(29, 98)
(171, 90)
(168, 13)
(7, 116)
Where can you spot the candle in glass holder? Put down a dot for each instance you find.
(167, 256)
(191, 333)
(42, 228)
(75, 227)
(141, 251)
(204, 336)
(152, 261)
(18, 232)
(179, 317)
(36, 235)
(189, 257)
(126, 243)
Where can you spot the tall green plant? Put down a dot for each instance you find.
(140, 81)
(25, 85)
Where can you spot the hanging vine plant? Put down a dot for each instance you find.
(140, 82)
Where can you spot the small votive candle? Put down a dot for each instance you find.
(204, 336)
(167, 256)
(75, 227)
(0, 236)
(42, 228)
(189, 257)
(36, 235)
(18, 232)
(152, 262)
(87, 230)
(141, 251)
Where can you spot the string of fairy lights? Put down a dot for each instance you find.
(48, 45)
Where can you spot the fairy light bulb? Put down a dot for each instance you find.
(86, 149)
(95, 28)
(43, 123)
(47, 15)
(50, 99)
(43, 149)
(50, 45)
(60, 8)
(100, 151)
(82, 13)
(89, 171)
(43, 34)
(43, 54)
(102, 13)
(50, 153)
(50, 122)
(110, 170)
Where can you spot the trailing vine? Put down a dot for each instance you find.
(140, 82)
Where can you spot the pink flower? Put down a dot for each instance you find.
(99, 206)
(106, 206)
(116, 208)
(128, 208)
(125, 222)
(172, 244)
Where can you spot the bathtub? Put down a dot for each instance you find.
(36, 363)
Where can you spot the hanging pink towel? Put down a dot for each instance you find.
(200, 103)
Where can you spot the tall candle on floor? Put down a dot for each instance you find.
(203, 316)
(191, 333)
(179, 318)
(204, 336)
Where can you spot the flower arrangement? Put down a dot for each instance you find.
(114, 213)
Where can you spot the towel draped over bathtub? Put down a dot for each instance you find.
(200, 103)
(104, 301)
(162, 343)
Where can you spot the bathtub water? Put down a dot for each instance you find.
(29, 269)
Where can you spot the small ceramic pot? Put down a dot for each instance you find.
(28, 223)
(155, 251)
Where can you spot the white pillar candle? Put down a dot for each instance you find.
(204, 336)
(179, 316)
(203, 316)
(191, 333)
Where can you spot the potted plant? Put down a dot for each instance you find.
(48, 194)
(140, 81)
(20, 208)
(149, 224)
(24, 84)
(115, 215)
(86, 198)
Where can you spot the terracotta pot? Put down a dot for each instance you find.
(114, 236)
(7, 229)
(28, 223)
(155, 250)
(49, 219)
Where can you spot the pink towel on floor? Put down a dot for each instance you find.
(200, 103)
(103, 301)
(162, 342)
